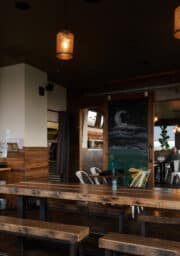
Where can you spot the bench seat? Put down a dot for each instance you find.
(138, 245)
(158, 217)
(44, 230)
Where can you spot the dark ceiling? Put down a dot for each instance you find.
(114, 39)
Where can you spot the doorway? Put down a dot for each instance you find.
(91, 138)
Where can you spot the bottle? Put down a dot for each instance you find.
(114, 184)
(113, 172)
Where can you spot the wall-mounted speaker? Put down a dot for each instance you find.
(22, 5)
(41, 91)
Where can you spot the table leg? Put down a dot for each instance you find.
(20, 246)
(43, 209)
(120, 224)
(73, 249)
(20, 206)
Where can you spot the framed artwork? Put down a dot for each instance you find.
(128, 134)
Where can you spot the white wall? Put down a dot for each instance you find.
(35, 108)
(57, 98)
(22, 110)
(12, 101)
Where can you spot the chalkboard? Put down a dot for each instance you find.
(128, 134)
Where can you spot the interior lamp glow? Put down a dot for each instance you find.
(64, 45)
(156, 119)
(177, 23)
(176, 129)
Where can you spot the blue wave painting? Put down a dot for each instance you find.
(128, 134)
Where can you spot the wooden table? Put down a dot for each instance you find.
(156, 198)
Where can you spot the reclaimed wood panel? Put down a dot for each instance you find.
(42, 229)
(29, 163)
(137, 245)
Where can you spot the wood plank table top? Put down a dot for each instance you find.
(156, 198)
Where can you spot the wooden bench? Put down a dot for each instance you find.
(137, 245)
(45, 230)
(89, 210)
(158, 217)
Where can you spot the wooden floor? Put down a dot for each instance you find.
(98, 225)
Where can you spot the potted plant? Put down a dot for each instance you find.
(164, 139)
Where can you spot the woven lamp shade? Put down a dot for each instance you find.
(177, 23)
(64, 45)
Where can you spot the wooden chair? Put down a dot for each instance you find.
(176, 173)
(44, 230)
(137, 245)
(96, 172)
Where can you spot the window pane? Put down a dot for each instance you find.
(170, 133)
(102, 122)
(92, 118)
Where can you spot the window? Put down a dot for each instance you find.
(92, 116)
(170, 133)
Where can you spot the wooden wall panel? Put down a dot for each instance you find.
(36, 163)
(27, 164)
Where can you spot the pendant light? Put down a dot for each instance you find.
(177, 23)
(64, 45)
(64, 42)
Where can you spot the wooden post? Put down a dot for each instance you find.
(151, 139)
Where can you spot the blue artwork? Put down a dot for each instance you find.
(128, 134)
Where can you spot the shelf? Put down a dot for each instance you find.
(95, 149)
(96, 140)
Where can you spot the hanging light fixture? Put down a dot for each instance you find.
(177, 23)
(65, 39)
(64, 45)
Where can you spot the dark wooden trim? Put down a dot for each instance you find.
(151, 139)
(52, 110)
(80, 138)
(131, 96)
(35, 148)
(105, 136)
(173, 121)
